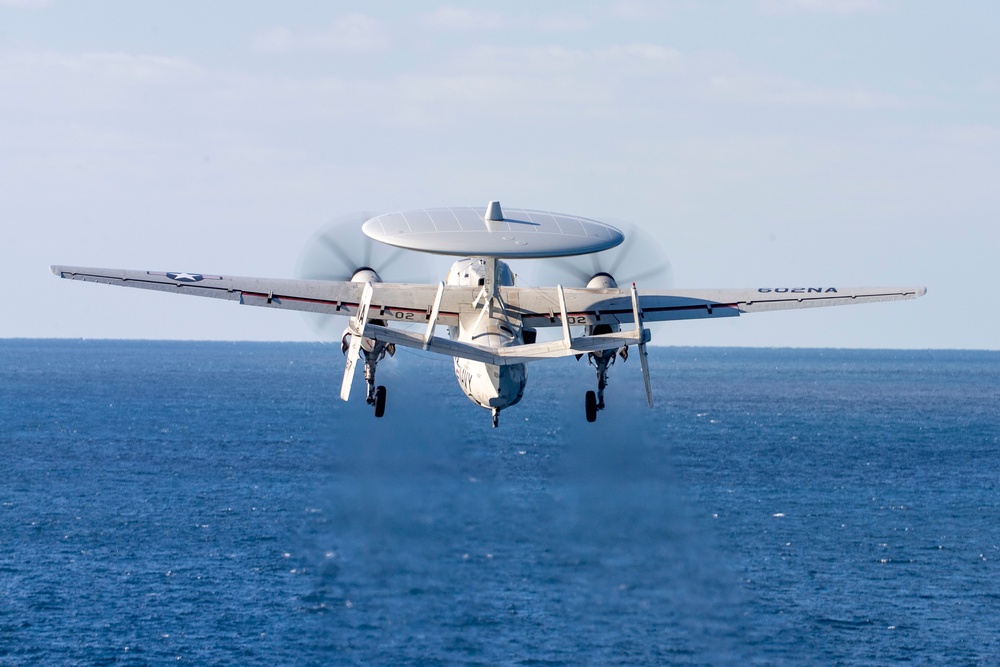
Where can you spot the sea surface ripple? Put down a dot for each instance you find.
(217, 504)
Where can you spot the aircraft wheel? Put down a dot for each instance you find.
(591, 406)
(379, 401)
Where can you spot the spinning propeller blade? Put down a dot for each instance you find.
(639, 258)
(339, 249)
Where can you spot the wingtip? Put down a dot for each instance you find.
(56, 270)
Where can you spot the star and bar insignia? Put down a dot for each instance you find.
(184, 277)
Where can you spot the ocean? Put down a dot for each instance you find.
(217, 504)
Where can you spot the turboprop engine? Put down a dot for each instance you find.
(365, 274)
(602, 280)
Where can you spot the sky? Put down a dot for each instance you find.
(762, 143)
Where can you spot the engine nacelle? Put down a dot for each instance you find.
(602, 280)
(365, 274)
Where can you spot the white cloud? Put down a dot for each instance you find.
(840, 7)
(454, 19)
(651, 54)
(556, 61)
(763, 89)
(47, 83)
(988, 86)
(354, 32)
(635, 10)
(539, 83)
(561, 23)
(462, 19)
(973, 135)
(25, 4)
(623, 81)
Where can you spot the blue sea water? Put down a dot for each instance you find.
(216, 504)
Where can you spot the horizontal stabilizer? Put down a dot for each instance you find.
(504, 356)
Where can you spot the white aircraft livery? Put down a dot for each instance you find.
(491, 321)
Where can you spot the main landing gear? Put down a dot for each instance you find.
(373, 352)
(376, 394)
(602, 360)
(496, 417)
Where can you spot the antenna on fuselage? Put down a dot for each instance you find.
(494, 212)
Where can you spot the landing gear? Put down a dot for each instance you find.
(602, 361)
(496, 417)
(379, 401)
(591, 406)
(376, 394)
(356, 347)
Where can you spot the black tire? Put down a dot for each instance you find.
(379, 401)
(591, 406)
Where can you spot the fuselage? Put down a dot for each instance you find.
(487, 385)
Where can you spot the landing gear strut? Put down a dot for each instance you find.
(602, 361)
(376, 394)
(496, 417)
(356, 347)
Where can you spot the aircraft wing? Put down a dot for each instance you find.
(396, 302)
(539, 307)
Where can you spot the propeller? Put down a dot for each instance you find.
(339, 249)
(639, 259)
